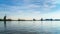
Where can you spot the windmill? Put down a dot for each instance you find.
(5, 17)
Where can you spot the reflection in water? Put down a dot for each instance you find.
(46, 26)
(41, 26)
(5, 25)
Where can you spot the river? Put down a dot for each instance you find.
(30, 27)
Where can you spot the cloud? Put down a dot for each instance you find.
(53, 15)
(33, 6)
(28, 8)
(39, 5)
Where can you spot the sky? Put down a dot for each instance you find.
(29, 9)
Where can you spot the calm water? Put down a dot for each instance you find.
(30, 27)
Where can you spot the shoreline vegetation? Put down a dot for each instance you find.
(4, 19)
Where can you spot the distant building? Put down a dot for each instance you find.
(41, 19)
(48, 19)
(19, 20)
(34, 20)
(8, 19)
(57, 19)
(1, 19)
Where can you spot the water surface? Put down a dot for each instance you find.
(30, 27)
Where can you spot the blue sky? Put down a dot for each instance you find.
(28, 9)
